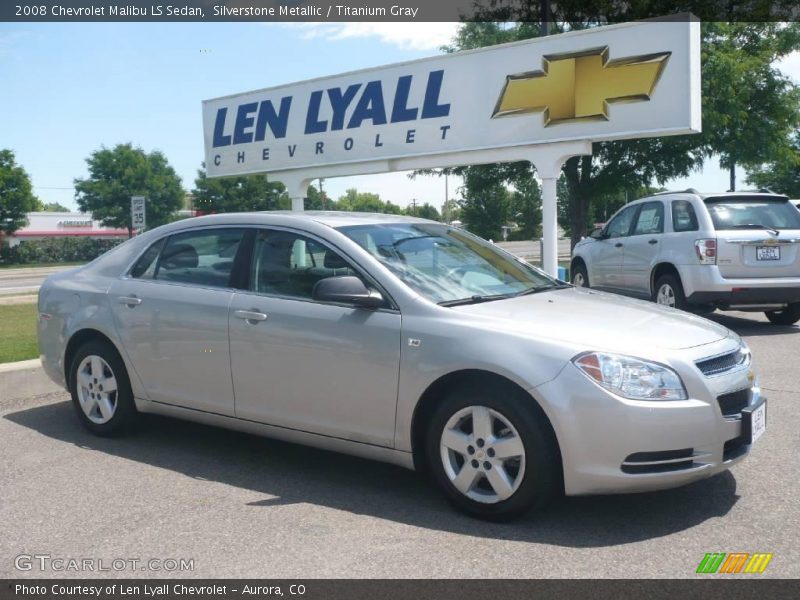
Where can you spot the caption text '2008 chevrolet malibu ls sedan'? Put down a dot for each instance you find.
(406, 341)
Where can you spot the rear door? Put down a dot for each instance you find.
(171, 314)
(642, 247)
(757, 236)
(608, 252)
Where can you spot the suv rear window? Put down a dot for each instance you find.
(743, 212)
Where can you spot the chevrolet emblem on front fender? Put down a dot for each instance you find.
(580, 85)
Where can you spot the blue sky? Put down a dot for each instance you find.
(67, 89)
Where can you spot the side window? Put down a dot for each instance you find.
(202, 257)
(651, 219)
(145, 267)
(621, 224)
(288, 264)
(683, 216)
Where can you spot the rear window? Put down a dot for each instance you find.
(753, 213)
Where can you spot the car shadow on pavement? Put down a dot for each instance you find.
(744, 326)
(292, 474)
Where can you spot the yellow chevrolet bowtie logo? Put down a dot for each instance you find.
(580, 86)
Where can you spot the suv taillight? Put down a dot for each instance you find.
(706, 251)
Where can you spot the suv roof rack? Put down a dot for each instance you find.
(686, 191)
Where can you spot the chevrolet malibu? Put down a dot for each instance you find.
(405, 341)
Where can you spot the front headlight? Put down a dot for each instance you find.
(630, 377)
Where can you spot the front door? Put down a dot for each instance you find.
(609, 251)
(325, 368)
(642, 247)
(171, 315)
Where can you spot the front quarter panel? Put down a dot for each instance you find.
(436, 345)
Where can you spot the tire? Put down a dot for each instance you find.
(580, 278)
(668, 291)
(531, 478)
(788, 316)
(96, 367)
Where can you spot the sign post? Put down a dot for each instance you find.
(542, 100)
(138, 215)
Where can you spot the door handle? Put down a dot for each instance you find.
(652, 241)
(130, 300)
(618, 245)
(250, 315)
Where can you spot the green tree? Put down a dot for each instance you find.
(16, 194)
(484, 209)
(356, 201)
(237, 194)
(525, 209)
(118, 173)
(316, 200)
(616, 166)
(424, 211)
(750, 109)
(782, 175)
(451, 210)
(54, 207)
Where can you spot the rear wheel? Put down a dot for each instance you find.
(668, 291)
(788, 316)
(491, 454)
(580, 278)
(101, 390)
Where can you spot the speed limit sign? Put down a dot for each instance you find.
(137, 212)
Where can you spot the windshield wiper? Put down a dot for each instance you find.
(476, 299)
(542, 288)
(756, 226)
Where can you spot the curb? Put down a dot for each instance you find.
(25, 379)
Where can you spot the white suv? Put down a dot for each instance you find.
(700, 252)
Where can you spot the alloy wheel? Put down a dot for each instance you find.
(666, 295)
(97, 389)
(578, 280)
(482, 454)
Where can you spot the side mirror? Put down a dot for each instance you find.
(597, 234)
(346, 290)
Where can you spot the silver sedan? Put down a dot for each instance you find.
(406, 341)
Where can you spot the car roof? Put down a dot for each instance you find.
(705, 195)
(334, 219)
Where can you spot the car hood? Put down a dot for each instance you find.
(607, 321)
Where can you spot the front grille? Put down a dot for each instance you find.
(658, 462)
(732, 403)
(716, 365)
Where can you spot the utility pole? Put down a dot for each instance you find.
(322, 194)
(547, 16)
(414, 206)
(445, 206)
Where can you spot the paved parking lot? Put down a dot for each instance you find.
(245, 506)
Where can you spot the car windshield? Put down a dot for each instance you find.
(753, 213)
(446, 264)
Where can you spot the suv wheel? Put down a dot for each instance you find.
(668, 291)
(101, 390)
(788, 316)
(491, 453)
(580, 278)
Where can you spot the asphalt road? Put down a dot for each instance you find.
(246, 506)
(20, 281)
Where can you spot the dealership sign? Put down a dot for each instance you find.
(623, 81)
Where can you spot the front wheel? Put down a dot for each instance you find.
(101, 390)
(580, 278)
(788, 316)
(492, 453)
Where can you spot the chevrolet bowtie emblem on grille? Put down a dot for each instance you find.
(580, 85)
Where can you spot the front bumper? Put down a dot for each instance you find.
(703, 284)
(613, 445)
